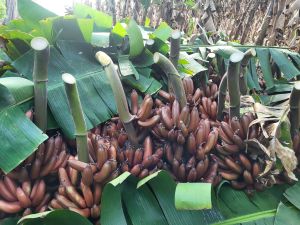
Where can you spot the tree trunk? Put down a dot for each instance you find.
(11, 10)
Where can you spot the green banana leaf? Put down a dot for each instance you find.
(33, 12)
(102, 21)
(19, 136)
(62, 216)
(129, 201)
(292, 195)
(10, 221)
(286, 214)
(233, 203)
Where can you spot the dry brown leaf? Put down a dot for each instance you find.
(286, 155)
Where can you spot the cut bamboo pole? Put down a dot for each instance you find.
(77, 114)
(295, 109)
(233, 73)
(40, 77)
(119, 95)
(173, 76)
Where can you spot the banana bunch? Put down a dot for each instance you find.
(234, 164)
(234, 133)
(79, 194)
(50, 156)
(23, 196)
(204, 99)
(190, 159)
(142, 161)
(241, 171)
(23, 190)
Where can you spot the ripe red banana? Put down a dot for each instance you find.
(134, 102)
(149, 123)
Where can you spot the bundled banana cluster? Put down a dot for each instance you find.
(79, 194)
(234, 164)
(194, 164)
(23, 190)
(142, 161)
(81, 183)
(23, 196)
(204, 99)
(234, 133)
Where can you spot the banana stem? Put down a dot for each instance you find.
(243, 74)
(221, 97)
(233, 72)
(77, 113)
(119, 95)
(173, 76)
(295, 109)
(174, 53)
(175, 47)
(40, 77)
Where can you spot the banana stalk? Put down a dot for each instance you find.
(233, 72)
(119, 94)
(40, 77)
(77, 113)
(174, 52)
(174, 77)
(295, 109)
(243, 73)
(221, 97)
(175, 47)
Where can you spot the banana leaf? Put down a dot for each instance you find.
(288, 69)
(19, 136)
(33, 12)
(10, 221)
(129, 201)
(233, 203)
(61, 216)
(287, 214)
(102, 21)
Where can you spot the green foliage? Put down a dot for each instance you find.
(2, 9)
(155, 197)
(19, 136)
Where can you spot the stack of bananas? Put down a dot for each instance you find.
(29, 187)
(234, 162)
(81, 183)
(205, 99)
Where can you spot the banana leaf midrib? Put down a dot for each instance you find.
(17, 104)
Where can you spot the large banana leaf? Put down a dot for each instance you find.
(62, 216)
(19, 136)
(152, 201)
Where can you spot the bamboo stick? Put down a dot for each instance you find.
(40, 77)
(77, 113)
(119, 95)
